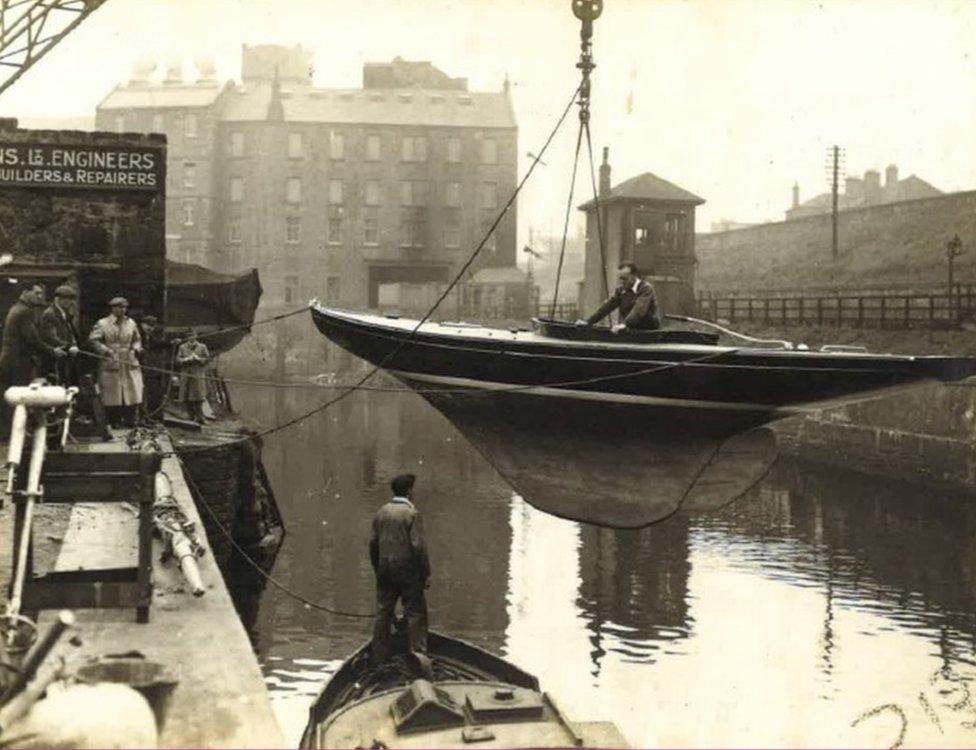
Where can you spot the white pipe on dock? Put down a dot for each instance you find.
(180, 543)
(32, 492)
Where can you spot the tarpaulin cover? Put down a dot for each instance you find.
(207, 300)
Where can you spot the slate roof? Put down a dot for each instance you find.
(647, 187)
(372, 106)
(128, 96)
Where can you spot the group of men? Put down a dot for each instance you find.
(42, 341)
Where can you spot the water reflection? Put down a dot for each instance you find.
(779, 620)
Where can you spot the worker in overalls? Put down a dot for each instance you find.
(118, 344)
(399, 556)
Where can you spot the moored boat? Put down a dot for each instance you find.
(459, 695)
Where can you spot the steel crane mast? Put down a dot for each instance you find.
(29, 29)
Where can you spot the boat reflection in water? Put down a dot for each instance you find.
(608, 464)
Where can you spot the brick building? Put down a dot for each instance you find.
(331, 193)
(861, 192)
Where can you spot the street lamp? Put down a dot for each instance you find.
(953, 248)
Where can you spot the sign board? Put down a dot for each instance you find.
(47, 165)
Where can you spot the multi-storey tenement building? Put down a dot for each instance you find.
(335, 193)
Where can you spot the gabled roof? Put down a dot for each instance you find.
(647, 187)
(129, 96)
(428, 107)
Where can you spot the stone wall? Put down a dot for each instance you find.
(896, 244)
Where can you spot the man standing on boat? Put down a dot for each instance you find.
(634, 297)
(399, 557)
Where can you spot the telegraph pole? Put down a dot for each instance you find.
(833, 193)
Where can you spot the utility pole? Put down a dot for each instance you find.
(833, 193)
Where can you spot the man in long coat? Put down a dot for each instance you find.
(57, 329)
(116, 340)
(23, 350)
(156, 361)
(193, 357)
(399, 556)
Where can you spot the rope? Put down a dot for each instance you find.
(254, 564)
(249, 326)
(569, 208)
(599, 218)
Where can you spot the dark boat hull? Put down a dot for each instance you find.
(762, 384)
(620, 434)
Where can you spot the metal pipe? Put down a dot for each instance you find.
(15, 451)
(32, 491)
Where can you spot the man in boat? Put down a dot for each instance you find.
(399, 557)
(634, 297)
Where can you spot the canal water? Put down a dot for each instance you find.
(822, 609)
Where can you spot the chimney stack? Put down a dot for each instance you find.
(605, 174)
(796, 194)
(891, 176)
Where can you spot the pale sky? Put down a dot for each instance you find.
(732, 99)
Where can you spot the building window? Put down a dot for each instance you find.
(331, 288)
(413, 193)
(293, 229)
(190, 125)
(189, 175)
(489, 195)
(234, 230)
(294, 145)
(372, 148)
(452, 236)
(120, 123)
(236, 189)
(237, 143)
(489, 151)
(673, 229)
(454, 150)
(335, 231)
(158, 124)
(293, 190)
(372, 193)
(335, 192)
(452, 194)
(413, 231)
(414, 148)
(371, 231)
(291, 288)
(188, 213)
(337, 145)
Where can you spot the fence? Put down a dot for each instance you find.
(564, 311)
(892, 310)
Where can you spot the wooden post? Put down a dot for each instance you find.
(784, 311)
(860, 312)
(840, 311)
(908, 311)
(799, 311)
(819, 311)
(731, 308)
(766, 311)
(931, 310)
(883, 299)
(714, 308)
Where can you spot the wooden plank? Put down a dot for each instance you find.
(93, 489)
(89, 462)
(39, 594)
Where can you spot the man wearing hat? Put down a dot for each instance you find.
(157, 359)
(57, 329)
(399, 556)
(193, 358)
(116, 340)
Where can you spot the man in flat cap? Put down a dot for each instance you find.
(24, 351)
(118, 344)
(399, 556)
(157, 359)
(57, 328)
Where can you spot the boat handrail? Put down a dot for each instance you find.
(686, 319)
